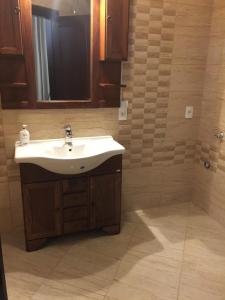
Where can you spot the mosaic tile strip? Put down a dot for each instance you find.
(160, 154)
(147, 76)
(212, 153)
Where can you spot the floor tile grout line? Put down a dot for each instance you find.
(136, 224)
(183, 255)
(50, 272)
(120, 260)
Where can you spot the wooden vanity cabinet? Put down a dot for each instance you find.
(56, 204)
(114, 21)
(10, 27)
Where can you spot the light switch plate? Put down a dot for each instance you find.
(189, 112)
(123, 110)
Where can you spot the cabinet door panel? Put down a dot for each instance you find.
(10, 27)
(42, 209)
(106, 200)
(114, 29)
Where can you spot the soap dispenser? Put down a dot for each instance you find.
(24, 135)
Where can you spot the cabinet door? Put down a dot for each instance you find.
(105, 200)
(114, 21)
(42, 209)
(10, 27)
(3, 292)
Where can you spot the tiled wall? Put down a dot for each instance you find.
(5, 211)
(168, 50)
(165, 72)
(209, 190)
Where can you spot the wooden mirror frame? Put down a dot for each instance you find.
(17, 81)
(92, 102)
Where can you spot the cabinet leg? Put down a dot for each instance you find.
(35, 244)
(111, 230)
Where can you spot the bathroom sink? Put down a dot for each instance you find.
(54, 155)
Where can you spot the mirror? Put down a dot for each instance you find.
(61, 42)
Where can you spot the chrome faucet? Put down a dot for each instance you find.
(220, 136)
(68, 135)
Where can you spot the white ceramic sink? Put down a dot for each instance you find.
(53, 155)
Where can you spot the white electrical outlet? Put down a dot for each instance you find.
(189, 112)
(123, 110)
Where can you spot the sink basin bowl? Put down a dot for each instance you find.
(53, 155)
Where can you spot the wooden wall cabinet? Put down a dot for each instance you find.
(55, 204)
(114, 16)
(109, 43)
(10, 27)
(17, 76)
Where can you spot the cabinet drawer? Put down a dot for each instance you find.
(75, 213)
(75, 226)
(75, 185)
(78, 199)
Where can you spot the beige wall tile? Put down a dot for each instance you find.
(189, 49)
(4, 195)
(198, 3)
(5, 220)
(209, 186)
(187, 77)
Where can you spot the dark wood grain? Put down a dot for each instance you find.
(10, 27)
(34, 245)
(75, 214)
(27, 37)
(17, 70)
(75, 185)
(57, 204)
(75, 226)
(42, 206)
(75, 199)
(106, 200)
(114, 17)
(17, 82)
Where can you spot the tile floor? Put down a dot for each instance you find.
(166, 253)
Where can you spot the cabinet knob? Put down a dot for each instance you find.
(109, 18)
(17, 10)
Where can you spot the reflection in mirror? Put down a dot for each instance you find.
(61, 40)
